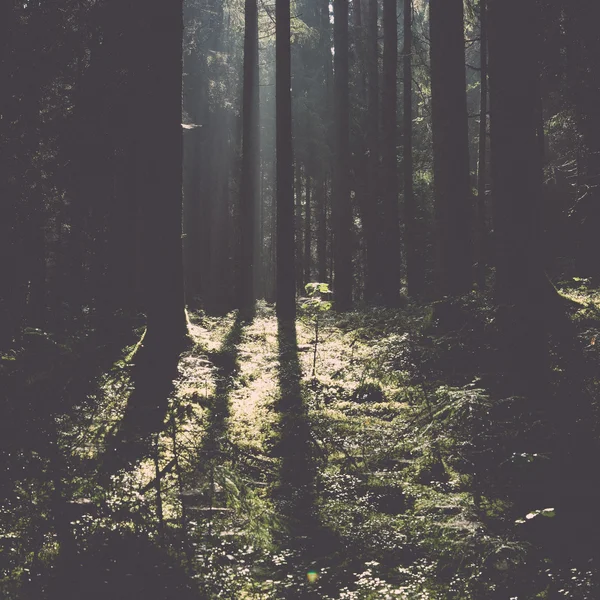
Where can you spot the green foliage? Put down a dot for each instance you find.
(316, 303)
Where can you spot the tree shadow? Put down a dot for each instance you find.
(225, 361)
(294, 448)
(295, 493)
(153, 374)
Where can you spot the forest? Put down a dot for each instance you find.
(299, 299)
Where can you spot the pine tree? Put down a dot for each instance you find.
(391, 282)
(159, 175)
(286, 276)
(250, 160)
(342, 209)
(450, 147)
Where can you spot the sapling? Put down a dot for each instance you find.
(314, 306)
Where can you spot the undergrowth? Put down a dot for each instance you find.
(417, 485)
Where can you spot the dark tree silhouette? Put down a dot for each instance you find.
(481, 228)
(520, 281)
(391, 281)
(371, 214)
(250, 160)
(414, 265)
(159, 169)
(450, 147)
(286, 277)
(342, 208)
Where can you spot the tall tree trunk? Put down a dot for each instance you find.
(286, 276)
(481, 233)
(160, 182)
(250, 160)
(342, 208)
(360, 163)
(390, 178)
(414, 263)
(450, 147)
(298, 233)
(8, 220)
(520, 282)
(321, 206)
(307, 230)
(370, 214)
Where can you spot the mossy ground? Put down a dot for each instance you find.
(384, 498)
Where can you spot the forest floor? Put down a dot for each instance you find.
(280, 468)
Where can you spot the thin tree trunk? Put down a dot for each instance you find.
(414, 262)
(298, 233)
(286, 277)
(307, 230)
(321, 205)
(371, 216)
(390, 179)
(481, 232)
(342, 209)
(250, 160)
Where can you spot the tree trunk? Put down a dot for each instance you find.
(321, 206)
(250, 160)
(450, 147)
(160, 175)
(414, 263)
(371, 212)
(391, 282)
(520, 281)
(286, 276)
(481, 229)
(342, 208)
(298, 233)
(307, 231)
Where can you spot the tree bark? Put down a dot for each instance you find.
(321, 206)
(286, 277)
(307, 231)
(450, 147)
(342, 208)
(391, 282)
(371, 212)
(481, 229)
(520, 282)
(298, 233)
(160, 173)
(250, 160)
(414, 263)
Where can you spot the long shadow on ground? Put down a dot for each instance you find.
(226, 363)
(296, 491)
(153, 375)
(205, 503)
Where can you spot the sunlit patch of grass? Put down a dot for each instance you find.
(578, 290)
(401, 517)
(256, 388)
(209, 332)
